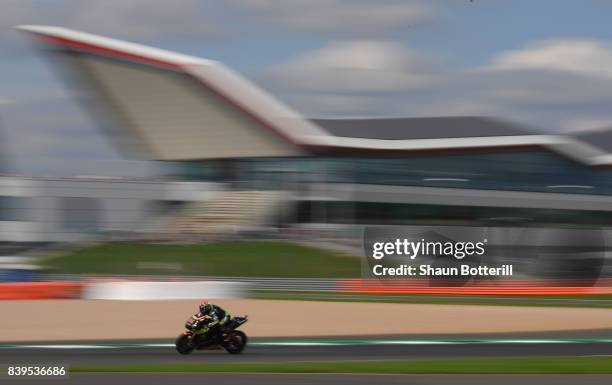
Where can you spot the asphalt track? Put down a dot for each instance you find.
(302, 350)
(275, 353)
(576, 343)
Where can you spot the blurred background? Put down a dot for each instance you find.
(488, 114)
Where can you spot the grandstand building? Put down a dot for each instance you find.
(213, 125)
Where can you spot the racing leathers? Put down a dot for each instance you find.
(209, 323)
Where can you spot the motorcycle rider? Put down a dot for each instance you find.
(212, 317)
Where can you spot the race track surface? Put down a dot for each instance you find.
(70, 355)
(284, 350)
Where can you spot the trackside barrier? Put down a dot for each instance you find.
(40, 290)
(419, 287)
(130, 290)
(361, 285)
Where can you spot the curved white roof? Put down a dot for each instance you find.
(234, 113)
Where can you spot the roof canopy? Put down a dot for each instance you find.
(169, 106)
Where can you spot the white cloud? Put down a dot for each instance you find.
(553, 89)
(580, 57)
(354, 66)
(571, 74)
(356, 16)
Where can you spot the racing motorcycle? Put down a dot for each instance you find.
(196, 337)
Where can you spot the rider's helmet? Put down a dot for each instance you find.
(205, 307)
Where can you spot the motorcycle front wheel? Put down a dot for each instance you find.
(182, 344)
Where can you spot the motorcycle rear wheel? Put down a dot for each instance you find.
(236, 342)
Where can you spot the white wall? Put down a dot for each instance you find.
(117, 204)
(163, 290)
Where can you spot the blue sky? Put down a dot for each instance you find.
(545, 63)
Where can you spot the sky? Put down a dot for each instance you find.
(546, 64)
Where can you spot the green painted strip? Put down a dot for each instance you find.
(472, 365)
(314, 342)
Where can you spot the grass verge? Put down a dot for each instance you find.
(237, 258)
(597, 301)
(477, 365)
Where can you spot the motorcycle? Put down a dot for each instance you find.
(196, 338)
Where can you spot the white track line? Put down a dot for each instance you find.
(314, 343)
